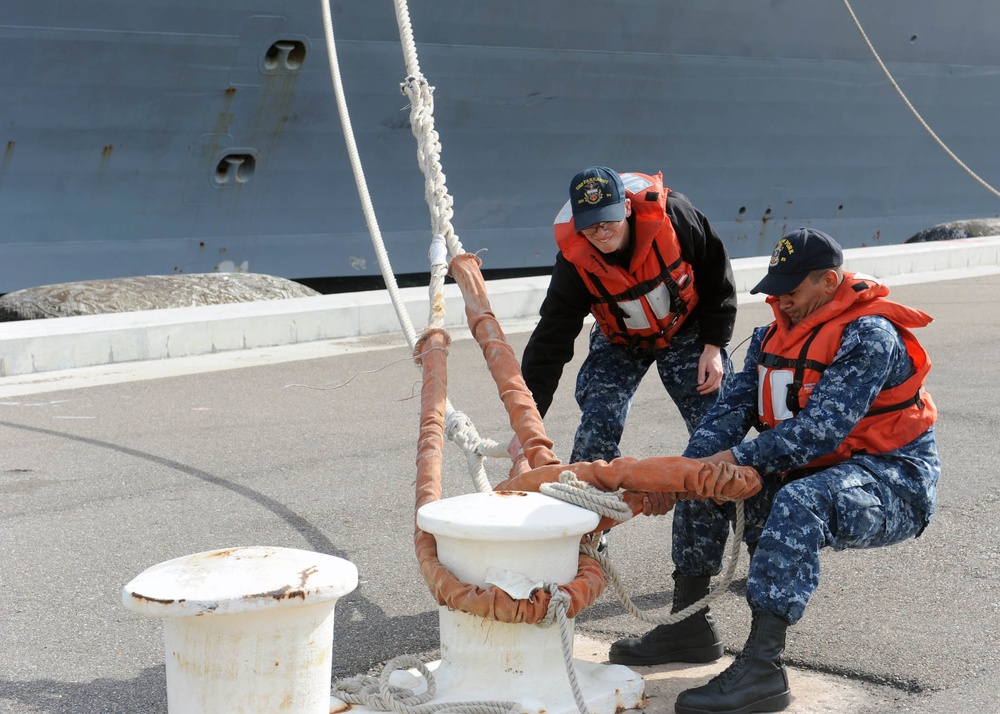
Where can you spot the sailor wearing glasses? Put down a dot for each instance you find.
(657, 279)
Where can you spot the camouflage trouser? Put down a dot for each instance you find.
(844, 506)
(610, 376)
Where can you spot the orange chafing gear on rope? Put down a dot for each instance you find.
(685, 478)
(676, 475)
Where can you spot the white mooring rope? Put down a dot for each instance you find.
(462, 431)
(376, 692)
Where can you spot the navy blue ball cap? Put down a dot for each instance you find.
(795, 256)
(596, 195)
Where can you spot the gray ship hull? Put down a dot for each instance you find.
(161, 136)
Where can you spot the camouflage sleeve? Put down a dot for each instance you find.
(735, 413)
(871, 355)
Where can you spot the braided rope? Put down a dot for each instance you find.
(461, 430)
(421, 96)
(558, 606)
(572, 490)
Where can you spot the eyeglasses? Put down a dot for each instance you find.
(602, 227)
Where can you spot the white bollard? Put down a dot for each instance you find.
(478, 536)
(246, 630)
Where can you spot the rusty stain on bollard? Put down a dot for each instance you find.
(151, 599)
(242, 632)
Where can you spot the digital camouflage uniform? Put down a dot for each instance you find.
(869, 500)
(610, 376)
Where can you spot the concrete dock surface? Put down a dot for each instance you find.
(111, 471)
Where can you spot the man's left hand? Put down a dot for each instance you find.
(657, 503)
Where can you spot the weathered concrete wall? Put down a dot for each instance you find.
(35, 347)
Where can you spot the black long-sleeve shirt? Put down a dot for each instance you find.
(567, 301)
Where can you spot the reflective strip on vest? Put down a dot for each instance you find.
(778, 380)
(659, 302)
(635, 316)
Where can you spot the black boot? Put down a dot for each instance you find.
(693, 639)
(754, 682)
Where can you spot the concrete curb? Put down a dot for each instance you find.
(38, 346)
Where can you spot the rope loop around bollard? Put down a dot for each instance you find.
(376, 692)
(580, 493)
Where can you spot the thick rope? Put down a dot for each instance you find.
(438, 252)
(580, 493)
(459, 427)
(558, 606)
(899, 91)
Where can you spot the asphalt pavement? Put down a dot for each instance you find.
(313, 447)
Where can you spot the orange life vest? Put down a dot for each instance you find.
(793, 357)
(644, 305)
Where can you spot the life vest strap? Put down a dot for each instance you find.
(915, 400)
(773, 361)
(640, 289)
(678, 307)
(643, 345)
(799, 365)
